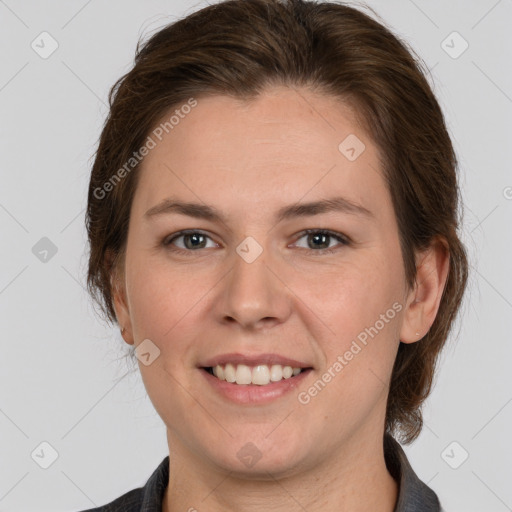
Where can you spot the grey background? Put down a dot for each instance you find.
(63, 377)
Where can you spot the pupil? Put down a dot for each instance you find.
(193, 236)
(320, 235)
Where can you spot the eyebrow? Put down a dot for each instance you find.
(207, 212)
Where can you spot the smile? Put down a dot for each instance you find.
(260, 375)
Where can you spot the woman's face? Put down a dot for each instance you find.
(254, 288)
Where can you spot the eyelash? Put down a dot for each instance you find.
(341, 238)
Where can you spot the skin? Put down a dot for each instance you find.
(248, 159)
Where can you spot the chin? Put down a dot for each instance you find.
(258, 457)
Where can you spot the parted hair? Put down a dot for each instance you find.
(241, 47)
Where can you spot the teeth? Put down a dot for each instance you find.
(229, 373)
(243, 374)
(220, 372)
(287, 372)
(276, 372)
(260, 375)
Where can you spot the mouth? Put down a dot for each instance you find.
(259, 374)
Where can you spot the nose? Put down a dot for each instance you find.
(253, 295)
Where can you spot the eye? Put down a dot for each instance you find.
(193, 240)
(321, 237)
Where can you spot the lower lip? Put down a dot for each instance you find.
(252, 393)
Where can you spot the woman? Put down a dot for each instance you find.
(273, 216)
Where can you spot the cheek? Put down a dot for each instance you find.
(349, 297)
(359, 350)
(357, 316)
(162, 310)
(163, 299)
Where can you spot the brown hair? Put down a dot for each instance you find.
(238, 48)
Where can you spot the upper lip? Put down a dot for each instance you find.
(253, 360)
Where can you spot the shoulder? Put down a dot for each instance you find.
(413, 494)
(147, 498)
(129, 502)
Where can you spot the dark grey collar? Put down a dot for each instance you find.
(413, 494)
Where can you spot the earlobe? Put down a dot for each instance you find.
(423, 301)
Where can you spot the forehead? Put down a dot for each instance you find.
(274, 125)
(284, 145)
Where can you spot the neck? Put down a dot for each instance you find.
(354, 478)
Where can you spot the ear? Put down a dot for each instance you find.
(423, 301)
(118, 291)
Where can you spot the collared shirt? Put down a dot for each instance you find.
(413, 494)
